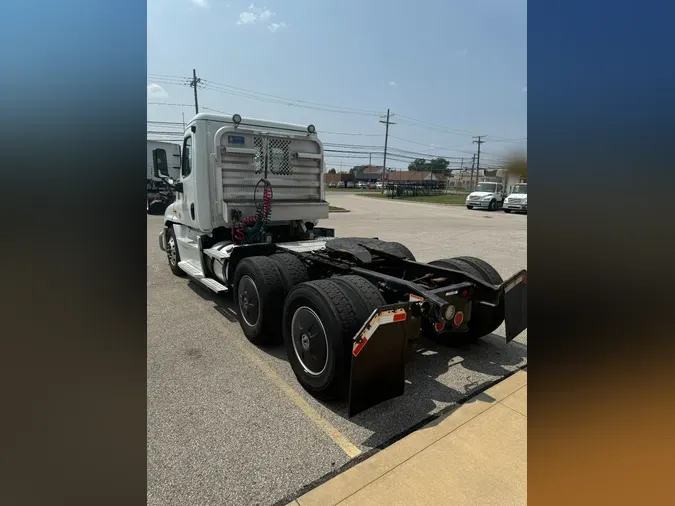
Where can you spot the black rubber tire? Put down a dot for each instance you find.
(338, 313)
(484, 319)
(364, 294)
(291, 269)
(492, 205)
(469, 207)
(507, 211)
(269, 288)
(489, 273)
(404, 250)
(171, 236)
(459, 265)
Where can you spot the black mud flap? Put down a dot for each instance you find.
(378, 356)
(515, 304)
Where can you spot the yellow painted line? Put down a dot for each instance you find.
(338, 438)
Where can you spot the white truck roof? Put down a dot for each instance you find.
(250, 122)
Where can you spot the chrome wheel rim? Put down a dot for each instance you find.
(249, 301)
(171, 251)
(310, 341)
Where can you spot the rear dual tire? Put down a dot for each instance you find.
(260, 287)
(484, 319)
(320, 321)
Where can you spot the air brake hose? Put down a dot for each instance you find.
(252, 228)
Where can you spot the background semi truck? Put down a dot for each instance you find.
(163, 162)
(249, 197)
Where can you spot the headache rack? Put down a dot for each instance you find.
(292, 164)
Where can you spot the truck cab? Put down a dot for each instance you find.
(517, 199)
(232, 171)
(486, 195)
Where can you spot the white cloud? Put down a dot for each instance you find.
(257, 15)
(392, 83)
(265, 15)
(156, 91)
(200, 3)
(462, 52)
(275, 26)
(524, 90)
(246, 18)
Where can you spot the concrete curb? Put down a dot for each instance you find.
(358, 477)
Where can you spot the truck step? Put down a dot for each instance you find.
(188, 242)
(213, 285)
(192, 269)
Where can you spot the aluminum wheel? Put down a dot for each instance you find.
(309, 340)
(249, 301)
(171, 251)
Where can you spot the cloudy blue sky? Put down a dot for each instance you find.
(446, 69)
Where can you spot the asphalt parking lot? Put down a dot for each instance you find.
(229, 424)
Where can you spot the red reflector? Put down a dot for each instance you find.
(459, 318)
(465, 293)
(399, 317)
(439, 326)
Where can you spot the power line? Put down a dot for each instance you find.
(268, 97)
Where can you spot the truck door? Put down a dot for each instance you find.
(186, 198)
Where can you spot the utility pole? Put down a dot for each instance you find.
(193, 84)
(386, 138)
(370, 159)
(473, 164)
(478, 140)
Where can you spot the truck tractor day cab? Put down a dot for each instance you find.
(248, 201)
(488, 196)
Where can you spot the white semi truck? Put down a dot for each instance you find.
(162, 163)
(517, 199)
(486, 195)
(248, 200)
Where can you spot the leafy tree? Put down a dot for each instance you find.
(332, 171)
(438, 165)
(418, 164)
(357, 169)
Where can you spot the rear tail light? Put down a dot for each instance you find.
(459, 318)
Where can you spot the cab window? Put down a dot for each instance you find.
(186, 164)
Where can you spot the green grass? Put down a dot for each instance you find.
(336, 209)
(448, 199)
(350, 190)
